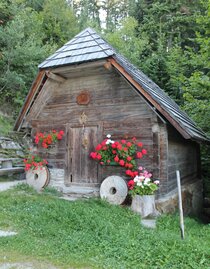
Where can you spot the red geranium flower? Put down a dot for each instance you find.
(116, 159)
(131, 184)
(129, 144)
(98, 147)
(119, 147)
(98, 156)
(139, 155)
(140, 145)
(144, 151)
(122, 162)
(93, 155)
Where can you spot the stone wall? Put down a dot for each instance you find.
(192, 199)
(192, 194)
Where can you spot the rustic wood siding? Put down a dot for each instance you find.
(182, 156)
(114, 106)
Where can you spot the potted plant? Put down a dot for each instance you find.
(123, 153)
(142, 189)
(37, 173)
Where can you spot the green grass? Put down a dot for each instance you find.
(94, 234)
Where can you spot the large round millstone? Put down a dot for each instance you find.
(114, 189)
(38, 178)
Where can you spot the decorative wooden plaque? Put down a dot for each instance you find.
(83, 98)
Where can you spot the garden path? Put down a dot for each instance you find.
(7, 185)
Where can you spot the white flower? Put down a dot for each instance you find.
(108, 141)
(136, 179)
(139, 184)
(141, 178)
(108, 136)
(156, 182)
(147, 180)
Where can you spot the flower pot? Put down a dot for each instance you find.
(144, 205)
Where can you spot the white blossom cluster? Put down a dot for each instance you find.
(109, 141)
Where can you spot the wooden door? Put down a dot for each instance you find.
(81, 168)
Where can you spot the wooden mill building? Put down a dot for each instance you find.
(89, 90)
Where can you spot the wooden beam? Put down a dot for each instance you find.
(29, 99)
(108, 66)
(149, 98)
(55, 77)
(78, 66)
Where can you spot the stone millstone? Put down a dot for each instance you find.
(38, 178)
(114, 189)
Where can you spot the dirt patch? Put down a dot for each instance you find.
(6, 233)
(26, 265)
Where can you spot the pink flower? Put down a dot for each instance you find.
(129, 158)
(157, 182)
(123, 141)
(140, 168)
(140, 145)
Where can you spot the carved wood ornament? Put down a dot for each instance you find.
(83, 98)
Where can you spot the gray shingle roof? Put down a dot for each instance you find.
(89, 46)
(86, 46)
(162, 99)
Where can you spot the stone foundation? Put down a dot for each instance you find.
(57, 178)
(192, 194)
(192, 199)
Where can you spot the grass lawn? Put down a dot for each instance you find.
(94, 234)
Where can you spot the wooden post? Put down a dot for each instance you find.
(180, 204)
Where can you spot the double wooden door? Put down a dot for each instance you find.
(81, 169)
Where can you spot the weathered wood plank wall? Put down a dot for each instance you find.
(182, 156)
(114, 106)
